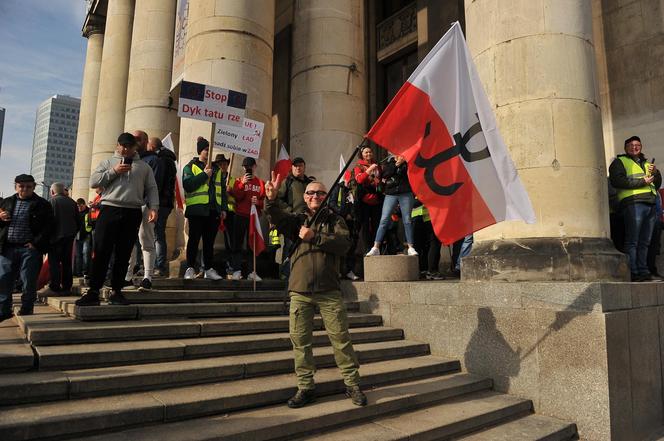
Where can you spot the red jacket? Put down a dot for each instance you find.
(370, 194)
(243, 193)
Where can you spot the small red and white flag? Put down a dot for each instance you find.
(458, 166)
(256, 242)
(167, 142)
(283, 165)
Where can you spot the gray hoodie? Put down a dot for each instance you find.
(129, 190)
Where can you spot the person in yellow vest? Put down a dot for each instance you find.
(636, 180)
(205, 197)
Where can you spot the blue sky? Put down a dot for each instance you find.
(42, 53)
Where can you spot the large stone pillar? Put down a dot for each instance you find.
(149, 79)
(536, 60)
(328, 83)
(230, 44)
(94, 32)
(109, 122)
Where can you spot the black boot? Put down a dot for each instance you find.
(116, 298)
(356, 395)
(91, 298)
(302, 398)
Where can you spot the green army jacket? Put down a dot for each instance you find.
(315, 264)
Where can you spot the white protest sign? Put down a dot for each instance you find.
(213, 104)
(244, 140)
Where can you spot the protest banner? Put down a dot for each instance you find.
(244, 140)
(213, 104)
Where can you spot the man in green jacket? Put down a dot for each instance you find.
(314, 281)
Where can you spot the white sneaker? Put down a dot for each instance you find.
(212, 274)
(373, 252)
(237, 275)
(352, 276)
(412, 252)
(254, 276)
(190, 273)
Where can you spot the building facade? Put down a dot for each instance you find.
(318, 73)
(54, 142)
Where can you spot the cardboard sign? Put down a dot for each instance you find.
(244, 140)
(213, 104)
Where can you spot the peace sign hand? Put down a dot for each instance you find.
(272, 186)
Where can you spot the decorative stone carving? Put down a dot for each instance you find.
(398, 26)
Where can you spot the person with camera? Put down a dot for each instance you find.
(128, 184)
(314, 281)
(206, 207)
(369, 197)
(247, 191)
(636, 181)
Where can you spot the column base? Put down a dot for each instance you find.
(571, 259)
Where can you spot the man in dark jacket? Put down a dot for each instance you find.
(165, 174)
(636, 181)
(83, 240)
(67, 224)
(25, 226)
(314, 281)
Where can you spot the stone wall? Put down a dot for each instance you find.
(583, 352)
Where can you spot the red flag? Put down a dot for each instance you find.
(283, 165)
(256, 242)
(458, 166)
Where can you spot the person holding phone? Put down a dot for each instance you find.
(206, 206)
(128, 185)
(636, 181)
(248, 190)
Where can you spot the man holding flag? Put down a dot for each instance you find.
(458, 166)
(314, 282)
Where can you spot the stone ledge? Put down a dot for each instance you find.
(391, 268)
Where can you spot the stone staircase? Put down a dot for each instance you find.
(202, 360)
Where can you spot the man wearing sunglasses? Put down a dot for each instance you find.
(25, 227)
(314, 282)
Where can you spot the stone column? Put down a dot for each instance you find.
(109, 122)
(149, 79)
(94, 32)
(328, 83)
(536, 60)
(231, 45)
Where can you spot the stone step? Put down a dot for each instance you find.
(15, 354)
(444, 420)
(530, 427)
(39, 386)
(78, 356)
(206, 284)
(102, 414)
(160, 310)
(56, 329)
(183, 296)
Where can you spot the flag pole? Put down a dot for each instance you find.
(253, 252)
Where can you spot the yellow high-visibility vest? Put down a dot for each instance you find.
(230, 200)
(421, 211)
(201, 196)
(633, 170)
(274, 237)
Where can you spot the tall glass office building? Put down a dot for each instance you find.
(54, 142)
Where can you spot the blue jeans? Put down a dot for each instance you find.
(19, 261)
(160, 238)
(639, 223)
(405, 201)
(82, 257)
(464, 250)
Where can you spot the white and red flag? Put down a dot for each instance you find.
(256, 242)
(458, 166)
(283, 165)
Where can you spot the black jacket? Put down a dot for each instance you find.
(67, 220)
(396, 178)
(165, 174)
(41, 221)
(619, 180)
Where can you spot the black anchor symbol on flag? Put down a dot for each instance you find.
(460, 147)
